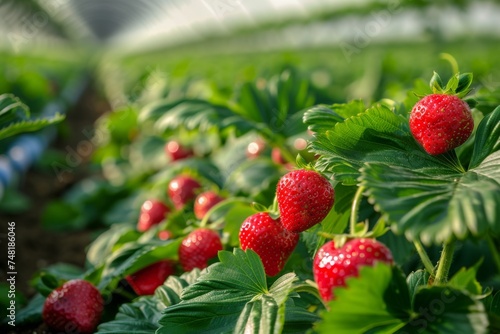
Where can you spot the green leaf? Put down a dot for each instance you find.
(259, 316)
(464, 82)
(434, 207)
(450, 202)
(487, 139)
(12, 110)
(298, 320)
(31, 313)
(139, 317)
(446, 310)
(465, 279)
(415, 280)
(375, 136)
(108, 241)
(378, 298)
(255, 178)
(133, 257)
(282, 287)
(29, 125)
(230, 294)
(322, 118)
(436, 83)
(452, 85)
(200, 115)
(233, 220)
(276, 105)
(170, 292)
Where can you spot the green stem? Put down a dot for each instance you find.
(494, 252)
(287, 154)
(125, 293)
(355, 208)
(451, 60)
(424, 257)
(445, 262)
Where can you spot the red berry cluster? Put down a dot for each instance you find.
(304, 199)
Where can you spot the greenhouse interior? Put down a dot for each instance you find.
(250, 166)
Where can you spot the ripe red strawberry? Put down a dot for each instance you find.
(146, 280)
(152, 212)
(74, 307)
(175, 151)
(182, 189)
(198, 247)
(333, 265)
(204, 202)
(441, 122)
(269, 239)
(304, 199)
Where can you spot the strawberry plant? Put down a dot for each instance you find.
(388, 222)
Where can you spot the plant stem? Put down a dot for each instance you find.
(451, 60)
(424, 257)
(287, 154)
(355, 208)
(494, 252)
(445, 262)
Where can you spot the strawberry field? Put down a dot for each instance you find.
(322, 190)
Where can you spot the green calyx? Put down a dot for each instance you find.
(458, 84)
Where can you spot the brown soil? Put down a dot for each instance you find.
(37, 248)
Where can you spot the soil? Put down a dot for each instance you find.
(37, 248)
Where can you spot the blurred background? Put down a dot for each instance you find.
(88, 58)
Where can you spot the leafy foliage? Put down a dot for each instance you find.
(272, 107)
(233, 294)
(15, 117)
(376, 149)
(379, 302)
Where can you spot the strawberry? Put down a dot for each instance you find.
(198, 247)
(441, 122)
(152, 212)
(304, 199)
(175, 151)
(146, 280)
(269, 239)
(333, 265)
(74, 307)
(204, 202)
(182, 189)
